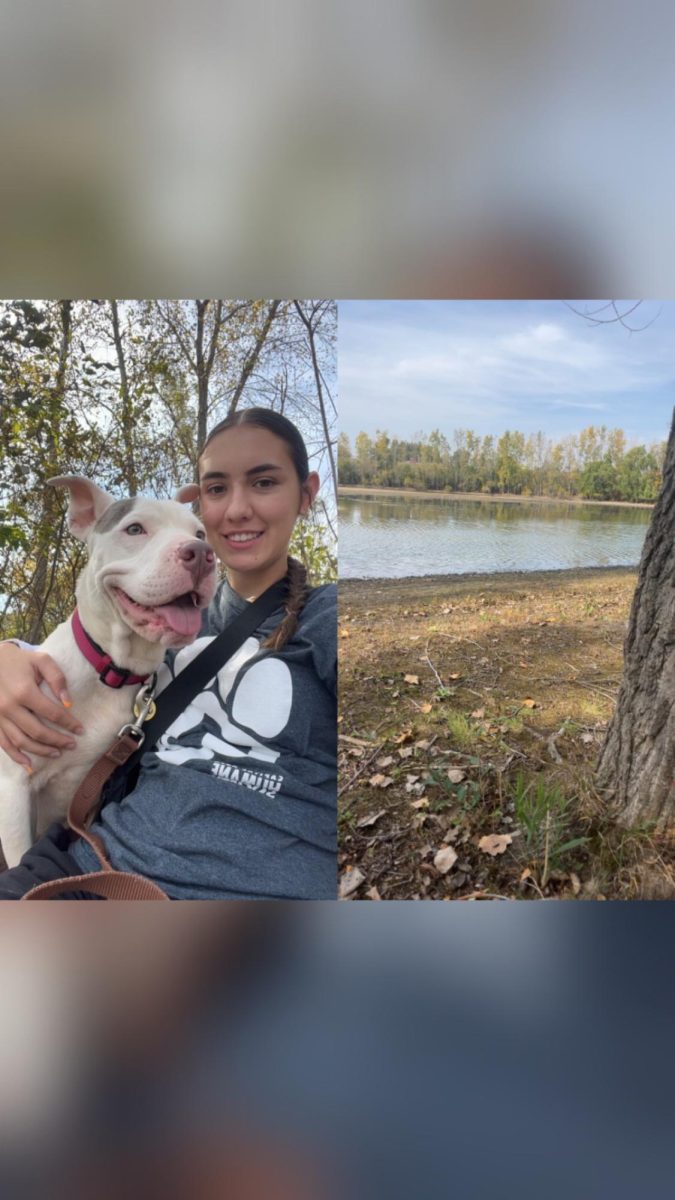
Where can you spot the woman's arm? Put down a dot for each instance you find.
(24, 707)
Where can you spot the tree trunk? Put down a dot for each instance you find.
(310, 327)
(130, 473)
(253, 356)
(42, 582)
(636, 770)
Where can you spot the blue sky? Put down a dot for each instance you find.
(408, 366)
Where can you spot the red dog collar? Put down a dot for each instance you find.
(109, 674)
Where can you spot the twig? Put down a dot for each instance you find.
(344, 737)
(426, 655)
(544, 874)
(530, 879)
(350, 783)
(483, 896)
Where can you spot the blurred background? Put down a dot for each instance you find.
(501, 148)
(288, 1052)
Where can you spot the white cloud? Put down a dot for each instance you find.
(495, 367)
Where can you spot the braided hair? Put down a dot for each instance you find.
(296, 574)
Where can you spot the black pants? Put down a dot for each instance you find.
(48, 859)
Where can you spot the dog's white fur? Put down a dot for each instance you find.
(149, 568)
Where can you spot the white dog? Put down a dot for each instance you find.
(149, 575)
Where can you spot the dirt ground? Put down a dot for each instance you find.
(472, 711)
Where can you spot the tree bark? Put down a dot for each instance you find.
(41, 587)
(131, 475)
(636, 771)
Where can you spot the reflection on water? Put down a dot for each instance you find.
(394, 536)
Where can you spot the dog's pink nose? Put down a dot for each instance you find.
(197, 557)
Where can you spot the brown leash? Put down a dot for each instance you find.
(107, 883)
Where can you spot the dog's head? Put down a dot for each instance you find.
(148, 559)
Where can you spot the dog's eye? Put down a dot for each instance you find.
(134, 529)
(201, 535)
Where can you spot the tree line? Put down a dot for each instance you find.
(595, 464)
(123, 392)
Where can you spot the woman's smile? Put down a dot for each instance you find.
(250, 499)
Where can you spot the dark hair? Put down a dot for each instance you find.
(296, 575)
(280, 426)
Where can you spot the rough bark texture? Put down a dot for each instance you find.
(636, 770)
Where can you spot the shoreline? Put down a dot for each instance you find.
(495, 497)
(411, 587)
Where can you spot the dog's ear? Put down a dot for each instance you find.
(187, 493)
(87, 503)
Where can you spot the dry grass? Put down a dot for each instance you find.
(517, 676)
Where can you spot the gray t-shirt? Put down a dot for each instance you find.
(238, 799)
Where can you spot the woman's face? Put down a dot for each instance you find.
(250, 499)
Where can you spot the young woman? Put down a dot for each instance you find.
(238, 799)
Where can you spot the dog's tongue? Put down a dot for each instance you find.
(181, 617)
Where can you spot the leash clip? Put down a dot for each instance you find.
(144, 710)
(144, 703)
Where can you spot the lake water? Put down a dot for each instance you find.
(394, 536)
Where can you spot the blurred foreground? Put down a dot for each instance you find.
(285, 1052)
(502, 148)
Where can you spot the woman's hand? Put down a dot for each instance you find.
(24, 708)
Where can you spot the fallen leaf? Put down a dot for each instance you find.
(495, 843)
(445, 859)
(423, 744)
(426, 707)
(456, 775)
(421, 803)
(587, 738)
(365, 822)
(350, 882)
(405, 752)
(478, 713)
(344, 633)
(576, 883)
(404, 736)
(381, 781)
(411, 678)
(373, 894)
(527, 874)
(455, 675)
(524, 665)
(386, 761)
(529, 703)
(410, 779)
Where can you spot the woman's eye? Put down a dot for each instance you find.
(216, 489)
(264, 484)
(134, 529)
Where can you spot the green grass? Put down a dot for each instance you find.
(544, 815)
(459, 729)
